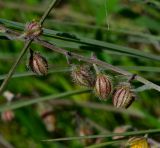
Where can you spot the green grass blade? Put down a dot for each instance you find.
(67, 69)
(85, 41)
(26, 74)
(142, 68)
(111, 29)
(151, 131)
(102, 45)
(23, 103)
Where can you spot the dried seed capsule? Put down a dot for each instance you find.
(138, 142)
(32, 29)
(103, 86)
(82, 75)
(123, 96)
(38, 63)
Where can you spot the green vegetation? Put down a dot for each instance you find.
(52, 111)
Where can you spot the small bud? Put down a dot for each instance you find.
(32, 29)
(103, 86)
(82, 75)
(7, 116)
(49, 120)
(123, 96)
(38, 63)
(138, 142)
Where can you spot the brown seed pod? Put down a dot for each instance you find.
(138, 142)
(82, 75)
(103, 86)
(32, 29)
(123, 96)
(38, 63)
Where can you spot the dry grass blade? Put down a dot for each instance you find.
(151, 131)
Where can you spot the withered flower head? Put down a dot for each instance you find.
(32, 29)
(138, 142)
(121, 129)
(38, 63)
(3, 29)
(82, 75)
(103, 86)
(123, 96)
(85, 130)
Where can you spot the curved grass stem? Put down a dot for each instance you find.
(13, 68)
(97, 62)
(151, 131)
(23, 103)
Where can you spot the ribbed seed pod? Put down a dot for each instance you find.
(123, 96)
(38, 63)
(82, 75)
(138, 142)
(32, 29)
(103, 86)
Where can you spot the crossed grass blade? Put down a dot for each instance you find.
(85, 41)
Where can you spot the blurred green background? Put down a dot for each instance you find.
(121, 22)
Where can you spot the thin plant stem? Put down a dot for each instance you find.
(97, 62)
(98, 106)
(24, 50)
(5, 143)
(23, 103)
(26, 74)
(117, 49)
(149, 84)
(106, 144)
(96, 69)
(151, 131)
(101, 129)
(54, 2)
(13, 68)
(68, 69)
